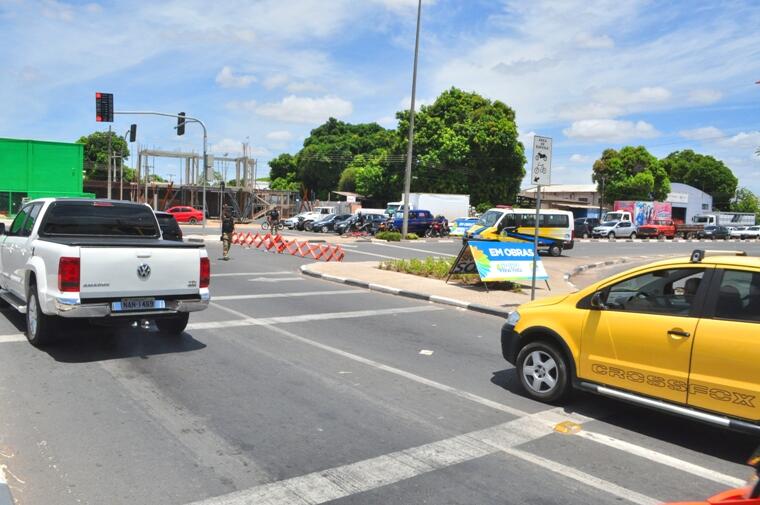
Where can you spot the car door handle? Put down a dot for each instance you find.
(679, 333)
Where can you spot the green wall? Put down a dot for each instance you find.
(35, 169)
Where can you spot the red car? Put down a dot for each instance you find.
(186, 214)
(660, 228)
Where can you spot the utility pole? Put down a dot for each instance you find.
(410, 146)
(110, 161)
(536, 225)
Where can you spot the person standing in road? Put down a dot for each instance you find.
(228, 227)
(273, 216)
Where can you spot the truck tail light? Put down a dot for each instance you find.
(68, 274)
(205, 273)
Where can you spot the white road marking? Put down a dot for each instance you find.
(373, 254)
(208, 448)
(301, 318)
(583, 477)
(274, 279)
(663, 459)
(334, 483)
(434, 253)
(349, 246)
(290, 295)
(248, 274)
(13, 337)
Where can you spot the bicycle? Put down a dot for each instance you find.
(277, 227)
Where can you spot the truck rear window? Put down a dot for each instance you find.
(100, 219)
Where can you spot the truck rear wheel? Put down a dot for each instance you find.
(39, 327)
(555, 250)
(173, 325)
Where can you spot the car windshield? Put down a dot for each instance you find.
(609, 223)
(490, 218)
(709, 228)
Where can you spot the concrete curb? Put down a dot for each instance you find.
(5, 492)
(475, 307)
(584, 268)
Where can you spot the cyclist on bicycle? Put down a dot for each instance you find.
(273, 218)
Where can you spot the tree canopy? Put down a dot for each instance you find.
(745, 201)
(630, 174)
(96, 153)
(464, 143)
(703, 172)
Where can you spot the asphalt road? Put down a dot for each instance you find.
(292, 390)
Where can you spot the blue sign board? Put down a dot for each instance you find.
(505, 261)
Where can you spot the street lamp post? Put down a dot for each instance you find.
(410, 146)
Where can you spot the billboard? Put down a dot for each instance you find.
(645, 212)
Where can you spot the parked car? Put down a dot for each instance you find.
(291, 222)
(661, 228)
(714, 232)
(737, 232)
(615, 229)
(584, 226)
(374, 221)
(327, 223)
(186, 214)
(751, 232)
(419, 221)
(170, 230)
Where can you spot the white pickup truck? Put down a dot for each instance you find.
(101, 260)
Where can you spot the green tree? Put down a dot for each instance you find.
(282, 165)
(746, 201)
(703, 172)
(347, 181)
(630, 174)
(96, 153)
(287, 183)
(465, 143)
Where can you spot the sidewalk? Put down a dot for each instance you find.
(499, 303)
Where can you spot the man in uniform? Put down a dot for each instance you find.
(228, 227)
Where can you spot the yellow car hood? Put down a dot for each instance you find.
(543, 302)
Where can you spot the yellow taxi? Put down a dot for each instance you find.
(680, 335)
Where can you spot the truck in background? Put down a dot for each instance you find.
(729, 219)
(439, 204)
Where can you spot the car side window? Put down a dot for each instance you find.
(739, 296)
(26, 230)
(671, 291)
(18, 223)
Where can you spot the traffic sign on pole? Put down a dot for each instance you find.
(541, 171)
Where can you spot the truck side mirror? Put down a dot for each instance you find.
(596, 301)
(2, 228)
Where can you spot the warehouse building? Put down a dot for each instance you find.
(34, 169)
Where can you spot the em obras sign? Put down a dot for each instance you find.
(499, 261)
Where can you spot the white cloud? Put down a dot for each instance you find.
(705, 96)
(275, 81)
(402, 6)
(387, 121)
(745, 140)
(234, 148)
(588, 41)
(304, 87)
(227, 79)
(609, 130)
(295, 109)
(615, 101)
(704, 133)
(580, 158)
(246, 106)
(526, 138)
(279, 136)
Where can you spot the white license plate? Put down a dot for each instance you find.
(137, 304)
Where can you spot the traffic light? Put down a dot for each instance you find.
(181, 123)
(104, 107)
(132, 133)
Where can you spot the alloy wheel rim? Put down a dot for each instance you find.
(540, 372)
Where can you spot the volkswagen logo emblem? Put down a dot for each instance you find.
(143, 271)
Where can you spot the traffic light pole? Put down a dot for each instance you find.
(205, 144)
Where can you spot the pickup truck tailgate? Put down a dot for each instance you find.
(123, 272)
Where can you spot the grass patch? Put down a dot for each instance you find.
(438, 268)
(412, 236)
(390, 236)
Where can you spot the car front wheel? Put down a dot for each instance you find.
(611, 235)
(542, 370)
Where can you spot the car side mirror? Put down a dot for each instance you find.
(2, 228)
(596, 301)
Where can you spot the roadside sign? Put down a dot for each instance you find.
(498, 261)
(541, 171)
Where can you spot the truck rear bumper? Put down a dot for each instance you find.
(74, 308)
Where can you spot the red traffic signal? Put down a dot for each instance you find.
(104, 107)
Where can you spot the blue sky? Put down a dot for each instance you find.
(591, 74)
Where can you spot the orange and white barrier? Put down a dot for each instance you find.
(277, 244)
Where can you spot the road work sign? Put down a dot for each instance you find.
(498, 261)
(541, 172)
